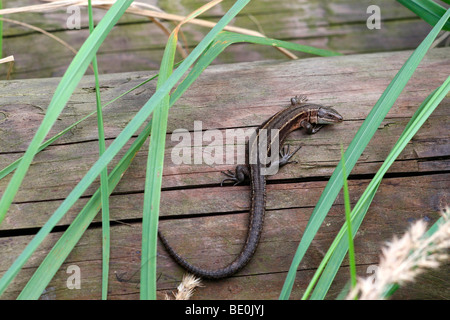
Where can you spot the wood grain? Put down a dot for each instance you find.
(213, 240)
(136, 44)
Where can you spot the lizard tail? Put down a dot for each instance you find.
(233, 267)
(256, 222)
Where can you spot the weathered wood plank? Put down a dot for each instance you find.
(339, 26)
(142, 54)
(242, 97)
(176, 202)
(55, 171)
(397, 203)
(234, 94)
(342, 82)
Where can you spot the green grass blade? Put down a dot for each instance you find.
(225, 39)
(62, 94)
(103, 174)
(332, 260)
(153, 179)
(351, 250)
(337, 253)
(55, 258)
(117, 144)
(155, 164)
(428, 10)
(355, 149)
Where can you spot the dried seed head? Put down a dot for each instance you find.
(405, 258)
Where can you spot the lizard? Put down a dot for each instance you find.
(300, 114)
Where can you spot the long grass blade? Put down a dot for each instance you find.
(355, 149)
(62, 94)
(225, 39)
(104, 173)
(153, 180)
(360, 210)
(325, 273)
(55, 258)
(155, 164)
(428, 10)
(351, 250)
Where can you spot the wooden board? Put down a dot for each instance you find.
(136, 44)
(207, 223)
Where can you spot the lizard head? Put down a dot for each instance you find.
(327, 115)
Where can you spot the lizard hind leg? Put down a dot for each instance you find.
(239, 176)
(286, 155)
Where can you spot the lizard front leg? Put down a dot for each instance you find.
(311, 129)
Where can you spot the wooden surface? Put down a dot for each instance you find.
(136, 44)
(207, 223)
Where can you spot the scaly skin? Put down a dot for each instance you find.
(299, 115)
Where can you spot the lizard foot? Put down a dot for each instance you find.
(286, 155)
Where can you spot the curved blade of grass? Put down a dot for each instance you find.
(103, 174)
(337, 253)
(71, 236)
(155, 164)
(62, 94)
(355, 149)
(55, 258)
(226, 38)
(428, 10)
(358, 213)
(117, 144)
(223, 40)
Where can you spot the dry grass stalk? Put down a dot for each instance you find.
(10, 60)
(186, 287)
(403, 259)
(137, 8)
(48, 34)
(7, 59)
